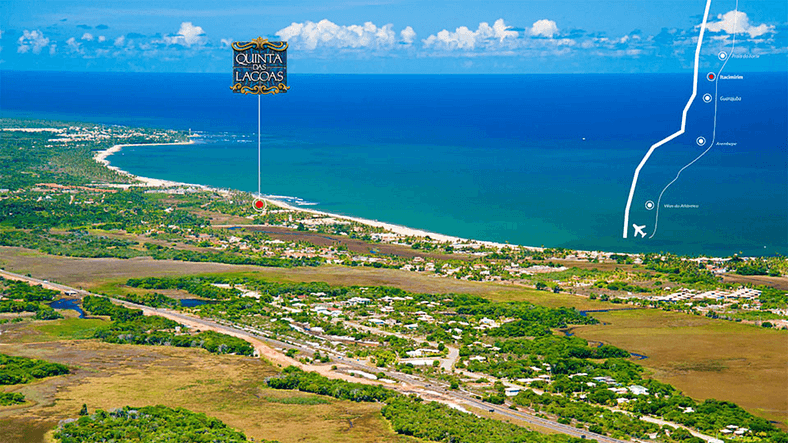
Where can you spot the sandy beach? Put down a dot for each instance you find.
(396, 229)
(102, 157)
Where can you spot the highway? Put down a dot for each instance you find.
(423, 388)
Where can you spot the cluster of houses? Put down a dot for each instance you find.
(601, 256)
(73, 134)
(744, 294)
(734, 431)
(516, 269)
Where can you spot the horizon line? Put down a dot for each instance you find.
(386, 73)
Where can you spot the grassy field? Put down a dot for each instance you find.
(67, 328)
(704, 358)
(353, 245)
(227, 387)
(96, 273)
(775, 282)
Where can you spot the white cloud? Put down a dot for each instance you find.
(501, 31)
(120, 41)
(226, 42)
(734, 22)
(101, 38)
(87, 37)
(73, 44)
(32, 41)
(407, 35)
(310, 35)
(544, 28)
(618, 53)
(464, 38)
(188, 35)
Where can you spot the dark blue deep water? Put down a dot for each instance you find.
(529, 159)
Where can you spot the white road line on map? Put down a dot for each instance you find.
(714, 130)
(675, 134)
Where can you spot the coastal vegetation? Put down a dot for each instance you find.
(64, 154)
(149, 424)
(62, 226)
(510, 352)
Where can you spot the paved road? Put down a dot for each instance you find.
(428, 388)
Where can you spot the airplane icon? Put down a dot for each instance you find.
(639, 230)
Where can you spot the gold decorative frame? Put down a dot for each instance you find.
(259, 89)
(260, 43)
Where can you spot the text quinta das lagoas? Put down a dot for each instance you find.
(258, 63)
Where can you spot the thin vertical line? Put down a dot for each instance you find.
(258, 146)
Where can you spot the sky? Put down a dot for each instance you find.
(395, 36)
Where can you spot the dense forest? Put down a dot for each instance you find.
(19, 296)
(21, 370)
(150, 424)
(11, 398)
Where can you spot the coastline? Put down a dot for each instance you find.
(398, 229)
(102, 158)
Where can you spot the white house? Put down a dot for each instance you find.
(511, 391)
(638, 390)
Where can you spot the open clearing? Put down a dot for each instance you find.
(227, 387)
(91, 273)
(775, 282)
(705, 358)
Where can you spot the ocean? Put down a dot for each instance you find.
(538, 160)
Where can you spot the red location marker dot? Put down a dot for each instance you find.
(259, 204)
(710, 76)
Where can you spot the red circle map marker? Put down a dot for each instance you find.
(710, 76)
(259, 205)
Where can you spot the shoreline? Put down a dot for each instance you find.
(101, 157)
(398, 229)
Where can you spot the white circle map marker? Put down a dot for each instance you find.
(707, 98)
(700, 141)
(723, 55)
(649, 205)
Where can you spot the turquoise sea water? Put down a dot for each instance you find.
(534, 160)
